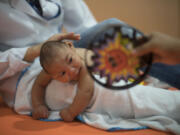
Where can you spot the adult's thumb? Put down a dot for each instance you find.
(143, 49)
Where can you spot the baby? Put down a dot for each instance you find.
(138, 106)
(64, 63)
(16, 59)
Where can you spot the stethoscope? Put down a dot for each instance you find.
(37, 7)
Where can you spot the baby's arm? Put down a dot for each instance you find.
(82, 98)
(40, 109)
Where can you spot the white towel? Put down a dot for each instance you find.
(137, 108)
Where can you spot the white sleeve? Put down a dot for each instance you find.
(77, 15)
(11, 62)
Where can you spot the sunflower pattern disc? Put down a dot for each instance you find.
(113, 61)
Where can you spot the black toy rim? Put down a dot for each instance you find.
(140, 78)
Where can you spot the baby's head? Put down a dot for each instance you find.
(60, 60)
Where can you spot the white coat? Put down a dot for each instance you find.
(21, 25)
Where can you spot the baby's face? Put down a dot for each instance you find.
(66, 66)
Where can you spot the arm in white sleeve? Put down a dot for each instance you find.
(11, 62)
(77, 16)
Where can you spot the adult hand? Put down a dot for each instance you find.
(62, 36)
(166, 49)
(34, 51)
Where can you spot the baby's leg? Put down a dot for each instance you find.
(154, 82)
(11, 62)
(8, 89)
(149, 101)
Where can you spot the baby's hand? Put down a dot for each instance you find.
(40, 112)
(66, 115)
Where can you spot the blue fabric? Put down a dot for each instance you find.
(89, 34)
(19, 78)
(50, 120)
(21, 75)
(35, 4)
(80, 118)
(166, 73)
(119, 128)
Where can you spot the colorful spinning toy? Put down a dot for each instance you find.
(109, 59)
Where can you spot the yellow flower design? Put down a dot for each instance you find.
(116, 60)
